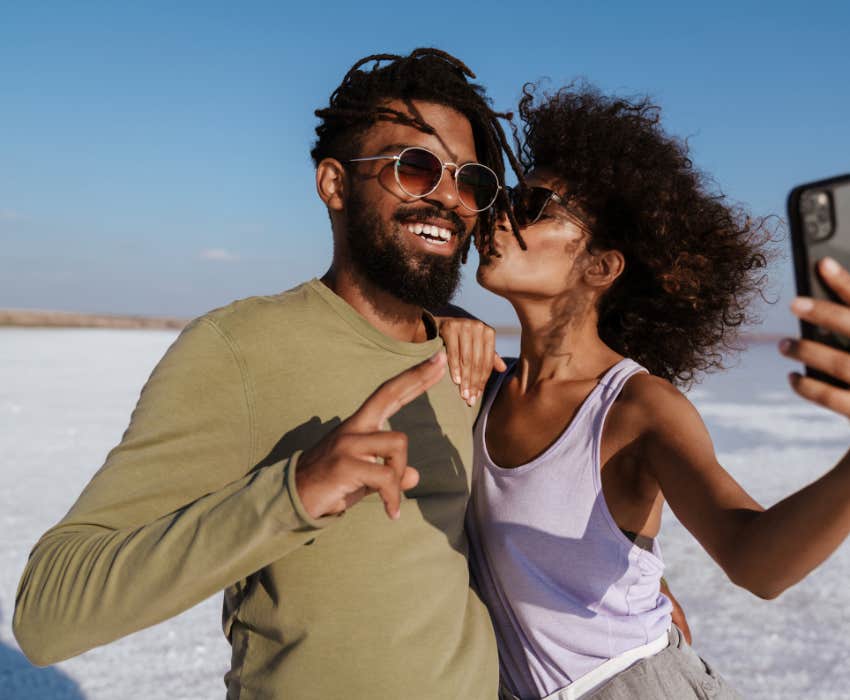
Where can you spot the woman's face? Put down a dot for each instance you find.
(556, 255)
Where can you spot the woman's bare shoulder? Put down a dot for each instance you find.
(657, 400)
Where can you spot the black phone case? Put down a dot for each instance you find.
(809, 248)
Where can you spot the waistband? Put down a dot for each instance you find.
(605, 671)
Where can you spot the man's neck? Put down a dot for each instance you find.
(393, 317)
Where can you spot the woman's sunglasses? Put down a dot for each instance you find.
(529, 203)
(418, 173)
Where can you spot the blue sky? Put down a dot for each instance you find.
(154, 156)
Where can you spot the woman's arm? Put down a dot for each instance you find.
(764, 551)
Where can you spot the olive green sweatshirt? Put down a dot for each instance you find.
(199, 496)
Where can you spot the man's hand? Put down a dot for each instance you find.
(832, 317)
(472, 356)
(346, 464)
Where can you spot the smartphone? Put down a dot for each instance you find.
(819, 220)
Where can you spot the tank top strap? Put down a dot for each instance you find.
(492, 390)
(609, 389)
(602, 397)
(613, 381)
(591, 414)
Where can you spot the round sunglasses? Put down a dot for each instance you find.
(418, 173)
(529, 203)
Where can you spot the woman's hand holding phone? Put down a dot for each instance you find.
(833, 317)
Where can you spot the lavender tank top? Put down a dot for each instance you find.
(566, 589)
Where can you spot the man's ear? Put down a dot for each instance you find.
(331, 181)
(607, 266)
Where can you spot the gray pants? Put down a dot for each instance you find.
(676, 673)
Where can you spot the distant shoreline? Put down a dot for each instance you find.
(34, 318)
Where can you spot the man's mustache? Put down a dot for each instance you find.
(423, 214)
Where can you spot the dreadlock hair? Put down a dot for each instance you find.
(693, 260)
(426, 74)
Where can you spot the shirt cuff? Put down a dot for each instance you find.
(309, 521)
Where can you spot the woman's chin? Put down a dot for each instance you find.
(491, 277)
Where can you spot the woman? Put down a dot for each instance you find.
(628, 277)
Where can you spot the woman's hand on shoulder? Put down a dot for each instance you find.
(835, 318)
(471, 352)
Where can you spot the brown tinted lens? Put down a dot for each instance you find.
(477, 186)
(528, 203)
(418, 171)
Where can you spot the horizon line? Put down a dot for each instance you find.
(43, 318)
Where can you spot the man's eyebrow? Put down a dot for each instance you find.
(397, 147)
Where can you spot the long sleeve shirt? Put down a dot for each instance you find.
(200, 496)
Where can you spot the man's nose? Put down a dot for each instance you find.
(445, 194)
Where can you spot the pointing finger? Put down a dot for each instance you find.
(397, 392)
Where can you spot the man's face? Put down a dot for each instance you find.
(388, 232)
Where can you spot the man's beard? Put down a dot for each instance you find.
(428, 281)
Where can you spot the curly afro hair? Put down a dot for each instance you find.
(693, 260)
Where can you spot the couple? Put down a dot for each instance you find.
(254, 461)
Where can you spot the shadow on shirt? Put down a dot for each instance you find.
(589, 563)
(443, 489)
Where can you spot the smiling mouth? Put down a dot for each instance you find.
(434, 234)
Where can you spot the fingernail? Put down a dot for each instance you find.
(828, 266)
(457, 379)
(465, 394)
(784, 345)
(802, 305)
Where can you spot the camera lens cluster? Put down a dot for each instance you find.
(816, 213)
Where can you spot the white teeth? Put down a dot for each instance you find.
(434, 234)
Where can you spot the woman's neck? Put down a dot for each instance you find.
(560, 341)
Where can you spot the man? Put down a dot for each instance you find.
(252, 434)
